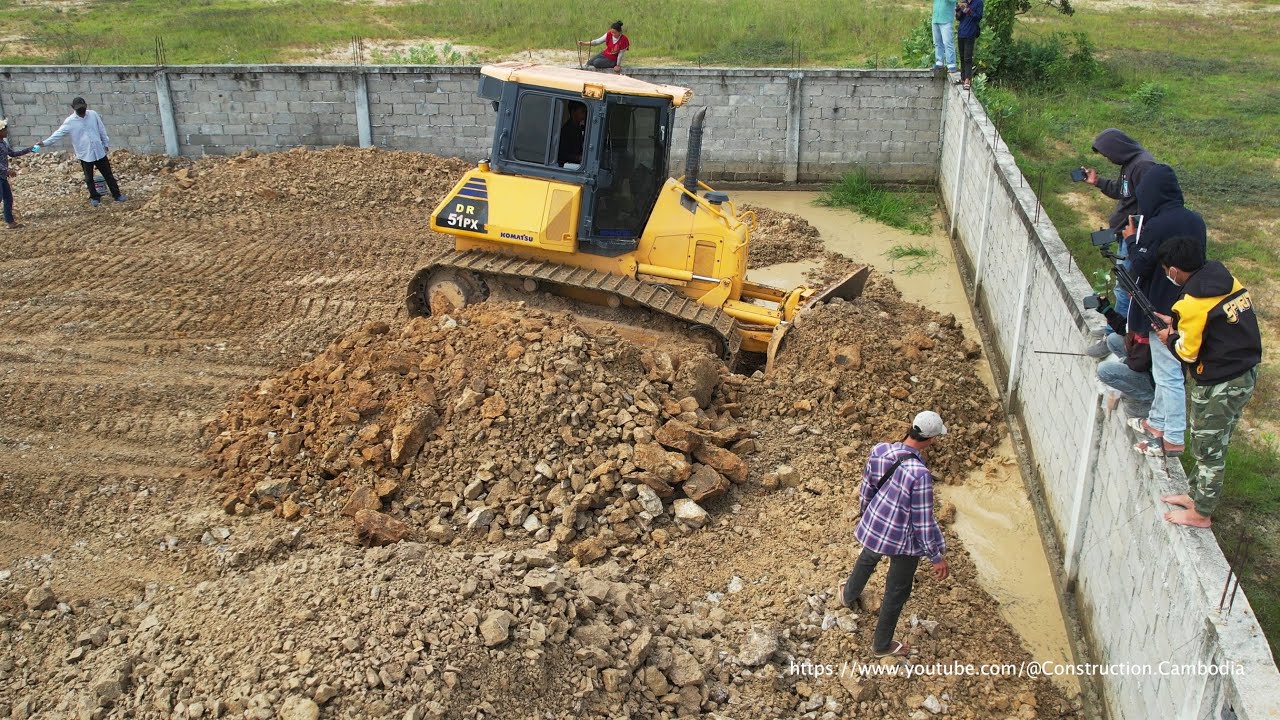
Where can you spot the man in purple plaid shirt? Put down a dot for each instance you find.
(897, 520)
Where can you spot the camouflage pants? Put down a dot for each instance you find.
(1215, 410)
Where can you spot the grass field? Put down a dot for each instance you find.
(741, 32)
(1197, 84)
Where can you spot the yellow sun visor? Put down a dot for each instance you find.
(583, 81)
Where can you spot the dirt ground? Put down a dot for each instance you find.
(207, 390)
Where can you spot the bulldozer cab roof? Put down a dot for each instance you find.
(575, 80)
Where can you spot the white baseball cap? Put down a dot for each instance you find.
(4, 123)
(928, 424)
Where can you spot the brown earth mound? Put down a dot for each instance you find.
(337, 182)
(780, 238)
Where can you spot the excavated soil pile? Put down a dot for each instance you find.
(336, 182)
(861, 369)
(780, 238)
(507, 421)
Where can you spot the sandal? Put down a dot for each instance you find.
(897, 649)
(1150, 448)
(1143, 428)
(15, 225)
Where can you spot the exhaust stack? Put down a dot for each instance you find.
(693, 160)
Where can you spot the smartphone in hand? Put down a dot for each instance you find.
(1078, 174)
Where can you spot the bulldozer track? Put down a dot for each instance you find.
(654, 296)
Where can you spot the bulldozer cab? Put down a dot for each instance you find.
(581, 128)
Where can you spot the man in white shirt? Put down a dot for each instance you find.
(91, 144)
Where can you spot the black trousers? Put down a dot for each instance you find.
(104, 167)
(600, 62)
(966, 57)
(897, 588)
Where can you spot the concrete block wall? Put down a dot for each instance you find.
(763, 125)
(224, 110)
(1147, 592)
(434, 111)
(37, 99)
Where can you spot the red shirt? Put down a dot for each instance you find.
(614, 44)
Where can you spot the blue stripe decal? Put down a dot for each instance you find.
(473, 194)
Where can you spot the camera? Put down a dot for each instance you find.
(1104, 237)
(1078, 174)
(1097, 301)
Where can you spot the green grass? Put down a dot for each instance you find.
(1251, 505)
(903, 209)
(842, 32)
(917, 258)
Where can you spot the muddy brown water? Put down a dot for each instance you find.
(994, 517)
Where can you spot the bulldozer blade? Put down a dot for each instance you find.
(847, 289)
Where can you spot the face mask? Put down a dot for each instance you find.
(81, 111)
(1170, 279)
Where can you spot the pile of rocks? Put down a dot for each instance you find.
(506, 421)
(853, 373)
(781, 238)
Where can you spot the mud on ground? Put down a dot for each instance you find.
(215, 412)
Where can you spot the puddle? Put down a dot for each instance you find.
(994, 518)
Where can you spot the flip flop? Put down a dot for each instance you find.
(1158, 448)
(897, 649)
(1143, 428)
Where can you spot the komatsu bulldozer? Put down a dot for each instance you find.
(576, 199)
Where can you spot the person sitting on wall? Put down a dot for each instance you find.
(615, 46)
(1127, 371)
(1214, 332)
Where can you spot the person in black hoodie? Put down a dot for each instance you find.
(1119, 148)
(1214, 332)
(1164, 217)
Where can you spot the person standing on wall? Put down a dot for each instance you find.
(897, 520)
(615, 46)
(91, 144)
(1134, 160)
(6, 190)
(1164, 218)
(1214, 333)
(969, 13)
(944, 49)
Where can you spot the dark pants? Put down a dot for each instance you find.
(600, 62)
(104, 167)
(897, 588)
(6, 194)
(966, 57)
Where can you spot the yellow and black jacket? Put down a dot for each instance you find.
(1216, 328)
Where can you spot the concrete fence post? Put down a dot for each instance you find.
(983, 232)
(363, 127)
(1086, 475)
(168, 124)
(795, 103)
(1019, 337)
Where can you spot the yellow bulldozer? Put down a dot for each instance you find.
(576, 199)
